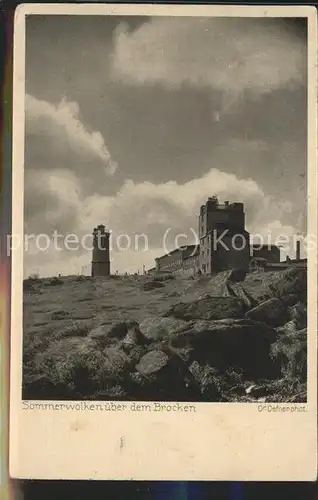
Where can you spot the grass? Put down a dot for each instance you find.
(59, 313)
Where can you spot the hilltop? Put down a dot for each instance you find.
(229, 337)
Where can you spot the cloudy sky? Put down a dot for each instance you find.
(133, 122)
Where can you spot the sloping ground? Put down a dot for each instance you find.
(227, 338)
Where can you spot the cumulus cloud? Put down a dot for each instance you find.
(60, 150)
(63, 124)
(227, 54)
(146, 218)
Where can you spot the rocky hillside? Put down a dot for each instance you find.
(227, 338)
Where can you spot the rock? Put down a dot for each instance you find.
(152, 285)
(293, 281)
(237, 343)
(290, 299)
(127, 332)
(100, 335)
(208, 308)
(152, 362)
(289, 285)
(157, 328)
(120, 330)
(272, 311)
(217, 284)
(162, 376)
(133, 338)
(238, 291)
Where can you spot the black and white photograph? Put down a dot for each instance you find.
(165, 209)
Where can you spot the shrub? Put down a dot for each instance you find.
(54, 281)
(291, 351)
(32, 283)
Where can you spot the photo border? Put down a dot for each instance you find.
(243, 439)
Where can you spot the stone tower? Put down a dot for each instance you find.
(100, 256)
(224, 242)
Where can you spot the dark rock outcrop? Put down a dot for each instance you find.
(293, 282)
(237, 290)
(152, 362)
(228, 343)
(272, 312)
(156, 328)
(161, 375)
(290, 286)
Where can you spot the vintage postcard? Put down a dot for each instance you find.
(164, 243)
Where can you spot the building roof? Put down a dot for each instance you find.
(180, 249)
(265, 245)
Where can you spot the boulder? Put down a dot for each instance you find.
(289, 285)
(121, 329)
(293, 281)
(238, 291)
(217, 284)
(100, 335)
(208, 308)
(272, 311)
(126, 332)
(162, 376)
(156, 328)
(134, 337)
(237, 343)
(152, 362)
(152, 285)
